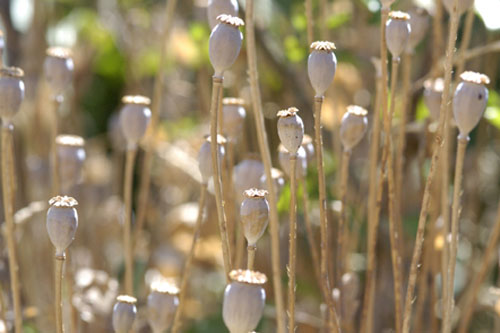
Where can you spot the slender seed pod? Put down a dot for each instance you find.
(462, 6)
(71, 155)
(419, 24)
(353, 126)
(244, 300)
(284, 160)
(233, 117)
(162, 304)
(205, 157)
(469, 102)
(219, 7)
(254, 212)
(397, 32)
(290, 129)
(225, 43)
(58, 70)
(247, 174)
(308, 145)
(321, 66)
(278, 181)
(433, 90)
(62, 222)
(11, 92)
(124, 313)
(135, 116)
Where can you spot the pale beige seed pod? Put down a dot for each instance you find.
(469, 101)
(462, 6)
(419, 24)
(321, 66)
(284, 160)
(71, 155)
(233, 117)
(62, 222)
(162, 303)
(290, 129)
(225, 43)
(244, 300)
(11, 92)
(58, 69)
(247, 174)
(278, 180)
(219, 7)
(135, 116)
(205, 157)
(254, 212)
(397, 32)
(433, 91)
(353, 126)
(124, 313)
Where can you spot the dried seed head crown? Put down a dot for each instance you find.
(126, 299)
(218, 7)
(12, 72)
(474, 77)
(59, 52)
(398, 15)
(70, 140)
(233, 101)
(397, 32)
(321, 66)
(290, 112)
(323, 46)
(165, 287)
(230, 20)
(255, 193)
(63, 201)
(357, 110)
(225, 43)
(136, 99)
(353, 127)
(248, 276)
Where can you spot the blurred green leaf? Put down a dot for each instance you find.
(422, 111)
(294, 50)
(338, 20)
(492, 113)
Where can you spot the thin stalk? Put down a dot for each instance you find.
(127, 224)
(266, 160)
(8, 199)
(417, 251)
(343, 229)
(472, 290)
(216, 92)
(59, 262)
(455, 215)
(251, 249)
(240, 247)
(423, 287)
(318, 141)
(437, 32)
(292, 255)
(53, 148)
(464, 45)
(310, 22)
(176, 326)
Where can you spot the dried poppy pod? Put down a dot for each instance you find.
(58, 69)
(11, 92)
(247, 174)
(462, 6)
(397, 32)
(308, 145)
(71, 155)
(469, 101)
(124, 313)
(419, 23)
(290, 129)
(278, 181)
(135, 116)
(244, 300)
(321, 66)
(225, 43)
(433, 91)
(62, 222)
(353, 126)
(254, 212)
(233, 116)
(205, 157)
(219, 7)
(284, 160)
(162, 304)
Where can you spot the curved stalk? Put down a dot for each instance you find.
(59, 262)
(127, 224)
(292, 255)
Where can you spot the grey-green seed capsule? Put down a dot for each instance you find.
(419, 23)
(254, 212)
(397, 32)
(290, 129)
(205, 157)
(162, 304)
(225, 43)
(62, 222)
(124, 313)
(353, 126)
(321, 66)
(284, 160)
(58, 69)
(11, 92)
(135, 116)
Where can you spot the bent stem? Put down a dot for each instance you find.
(176, 326)
(343, 228)
(216, 93)
(127, 224)
(59, 262)
(266, 160)
(8, 200)
(293, 243)
(455, 215)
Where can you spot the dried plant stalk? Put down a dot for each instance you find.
(251, 249)
(59, 263)
(8, 199)
(437, 32)
(310, 22)
(343, 229)
(266, 160)
(127, 222)
(292, 254)
(176, 326)
(53, 148)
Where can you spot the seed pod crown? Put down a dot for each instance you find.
(321, 66)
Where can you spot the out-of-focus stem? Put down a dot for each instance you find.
(53, 147)
(189, 260)
(437, 32)
(343, 228)
(266, 160)
(464, 45)
(292, 255)
(310, 22)
(59, 262)
(251, 249)
(127, 224)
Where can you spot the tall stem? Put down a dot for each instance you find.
(417, 251)
(8, 199)
(318, 141)
(343, 228)
(310, 22)
(455, 215)
(53, 148)
(266, 160)
(216, 93)
(59, 262)
(127, 224)
(176, 326)
(292, 255)
(251, 249)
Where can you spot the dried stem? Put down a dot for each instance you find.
(53, 147)
(292, 255)
(8, 199)
(176, 326)
(59, 262)
(216, 92)
(457, 190)
(266, 160)
(310, 22)
(343, 229)
(437, 32)
(251, 249)
(417, 251)
(464, 44)
(318, 141)
(127, 223)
